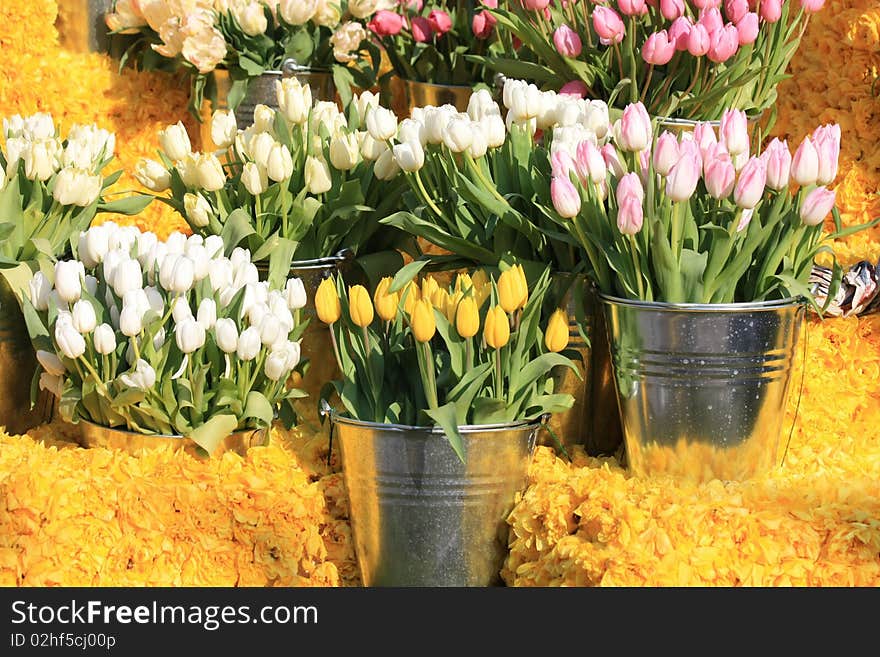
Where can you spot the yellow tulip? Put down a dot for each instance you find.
(556, 335)
(359, 306)
(439, 297)
(463, 283)
(385, 301)
(512, 291)
(422, 319)
(467, 318)
(482, 288)
(327, 303)
(411, 294)
(452, 301)
(524, 284)
(429, 286)
(497, 329)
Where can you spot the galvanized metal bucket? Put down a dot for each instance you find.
(261, 90)
(421, 94)
(702, 388)
(134, 443)
(18, 363)
(422, 517)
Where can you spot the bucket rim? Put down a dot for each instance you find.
(435, 85)
(336, 418)
(740, 307)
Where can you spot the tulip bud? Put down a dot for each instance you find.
(264, 119)
(567, 41)
(816, 206)
(142, 378)
(777, 158)
(805, 164)
(735, 132)
(175, 142)
(683, 178)
(327, 304)
(344, 151)
(189, 335)
(665, 153)
(770, 10)
(279, 164)
(276, 364)
(68, 280)
(152, 175)
(458, 136)
(556, 336)
(826, 140)
(381, 123)
(512, 292)
(39, 288)
(206, 315)
(422, 320)
(410, 295)
(750, 186)
(40, 159)
(635, 128)
(69, 340)
(210, 172)
(50, 363)
(317, 175)
(295, 293)
(271, 330)
(720, 178)
(226, 335)
(249, 343)
(224, 128)
(386, 166)
(84, 318)
(254, 178)
(467, 317)
(105, 339)
(565, 197)
(385, 301)
(359, 306)
(497, 329)
(429, 287)
(410, 156)
(630, 216)
(608, 25)
(658, 49)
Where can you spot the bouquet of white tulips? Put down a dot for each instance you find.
(51, 189)
(474, 176)
(165, 337)
(297, 184)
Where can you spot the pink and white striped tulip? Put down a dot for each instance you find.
(630, 185)
(826, 139)
(816, 206)
(589, 162)
(777, 157)
(720, 178)
(635, 128)
(565, 197)
(805, 164)
(735, 131)
(750, 187)
(608, 25)
(666, 153)
(630, 216)
(612, 160)
(683, 178)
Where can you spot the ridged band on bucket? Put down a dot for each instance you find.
(702, 388)
(422, 517)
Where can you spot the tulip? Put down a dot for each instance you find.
(410, 156)
(155, 301)
(512, 290)
(565, 197)
(630, 185)
(327, 304)
(76, 187)
(189, 335)
(264, 119)
(496, 331)
(412, 130)
(182, 275)
(589, 162)
(248, 344)
(105, 339)
(672, 9)
(535, 5)
(720, 178)
(276, 364)
(255, 178)
(479, 142)
(698, 40)
(251, 18)
(812, 6)
(483, 24)
(735, 132)
(557, 334)
(175, 142)
(317, 175)
(777, 158)
(152, 175)
(750, 187)
(226, 335)
(724, 43)
(493, 130)
(525, 102)
(458, 135)
(68, 280)
(816, 206)
(804, 164)
(198, 210)
(632, 7)
(272, 330)
(612, 160)
(297, 12)
(666, 153)
(567, 41)
(84, 318)
(279, 164)
(210, 172)
(561, 162)
(50, 363)
(710, 16)
(344, 151)
(704, 136)
(410, 295)
(679, 32)
(40, 160)
(421, 29)
(381, 123)
(386, 23)
(39, 288)
(294, 100)
(658, 48)
(422, 320)
(770, 10)
(467, 317)
(440, 21)
(295, 294)
(359, 306)
(386, 302)
(93, 245)
(429, 287)
(386, 166)
(635, 128)
(683, 178)
(630, 216)
(69, 340)
(735, 9)
(142, 378)
(826, 140)
(747, 29)
(206, 315)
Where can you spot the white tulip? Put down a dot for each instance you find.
(155, 300)
(386, 166)
(40, 287)
(175, 141)
(481, 104)
(76, 187)
(220, 272)
(279, 164)
(294, 354)
(38, 126)
(294, 100)
(201, 262)
(145, 243)
(127, 276)
(410, 156)
(264, 119)
(15, 147)
(252, 18)
(91, 284)
(131, 320)
(327, 14)
(50, 362)
(13, 126)
(210, 172)
(180, 310)
(317, 175)
(176, 242)
(105, 339)
(364, 103)
(68, 279)
(226, 334)
(198, 210)
(435, 124)
(223, 128)
(297, 12)
(188, 168)
(370, 148)
(159, 339)
(271, 330)
(84, 318)
(479, 143)
(54, 384)
(179, 277)
(494, 131)
(40, 159)
(214, 246)
(344, 151)
(295, 293)
(381, 123)
(240, 257)
(363, 8)
(276, 365)
(69, 340)
(142, 378)
(527, 103)
(597, 119)
(152, 175)
(256, 311)
(458, 135)
(255, 178)
(412, 130)
(206, 315)
(248, 343)
(189, 335)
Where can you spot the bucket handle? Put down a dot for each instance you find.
(797, 406)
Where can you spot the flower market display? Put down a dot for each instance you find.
(281, 513)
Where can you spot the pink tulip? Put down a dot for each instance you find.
(630, 186)
(706, 4)
(612, 160)
(672, 9)
(561, 164)
(826, 139)
(724, 44)
(735, 9)
(817, 205)
(635, 128)
(683, 178)
(608, 25)
(747, 28)
(567, 41)
(658, 49)
(630, 216)
(666, 153)
(812, 6)
(535, 5)
(714, 152)
(645, 165)
(566, 199)
(440, 21)
(771, 10)
(632, 7)
(386, 23)
(805, 164)
(711, 19)
(750, 187)
(589, 162)
(421, 29)
(777, 157)
(698, 41)
(679, 32)
(574, 88)
(491, 4)
(735, 131)
(483, 24)
(744, 220)
(414, 6)
(690, 148)
(704, 135)
(720, 178)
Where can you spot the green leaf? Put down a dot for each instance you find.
(236, 229)
(444, 417)
(258, 407)
(488, 410)
(129, 205)
(406, 274)
(213, 432)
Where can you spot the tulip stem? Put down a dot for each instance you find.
(499, 381)
(468, 354)
(637, 266)
(98, 382)
(431, 387)
(647, 83)
(425, 195)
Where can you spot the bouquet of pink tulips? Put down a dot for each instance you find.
(699, 217)
(681, 59)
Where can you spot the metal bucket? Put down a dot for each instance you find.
(18, 363)
(421, 517)
(261, 90)
(702, 388)
(420, 94)
(134, 443)
(81, 27)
